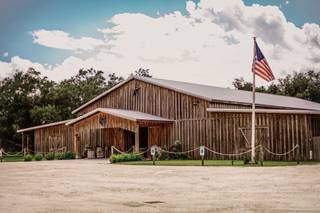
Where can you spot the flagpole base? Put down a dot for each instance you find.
(253, 162)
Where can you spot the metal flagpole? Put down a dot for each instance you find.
(253, 119)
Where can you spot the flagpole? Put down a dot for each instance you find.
(253, 119)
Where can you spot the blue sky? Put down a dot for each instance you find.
(82, 18)
(79, 17)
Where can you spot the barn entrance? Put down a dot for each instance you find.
(107, 128)
(143, 141)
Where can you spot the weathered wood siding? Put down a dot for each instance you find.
(41, 137)
(195, 126)
(91, 131)
(152, 99)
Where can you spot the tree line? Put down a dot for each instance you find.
(29, 99)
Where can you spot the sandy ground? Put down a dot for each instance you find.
(95, 186)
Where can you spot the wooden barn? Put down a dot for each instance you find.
(141, 112)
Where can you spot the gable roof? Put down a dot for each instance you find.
(219, 94)
(121, 113)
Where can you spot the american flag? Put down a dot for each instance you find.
(260, 65)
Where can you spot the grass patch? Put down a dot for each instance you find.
(15, 158)
(216, 163)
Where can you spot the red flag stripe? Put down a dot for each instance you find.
(262, 65)
(262, 76)
(263, 72)
(265, 63)
(267, 72)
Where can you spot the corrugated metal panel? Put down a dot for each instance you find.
(126, 114)
(219, 94)
(274, 111)
(43, 126)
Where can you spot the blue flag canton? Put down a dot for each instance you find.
(259, 55)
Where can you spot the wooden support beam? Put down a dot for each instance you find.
(28, 144)
(136, 139)
(22, 142)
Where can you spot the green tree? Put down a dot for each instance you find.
(143, 72)
(45, 114)
(305, 85)
(19, 93)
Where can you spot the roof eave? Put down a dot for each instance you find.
(271, 111)
(43, 126)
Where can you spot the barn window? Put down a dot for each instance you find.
(136, 91)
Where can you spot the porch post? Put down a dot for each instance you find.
(75, 148)
(136, 139)
(22, 142)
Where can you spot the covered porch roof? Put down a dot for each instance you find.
(43, 126)
(125, 114)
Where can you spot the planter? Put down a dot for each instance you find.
(99, 152)
(90, 154)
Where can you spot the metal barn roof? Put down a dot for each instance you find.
(126, 114)
(272, 111)
(219, 94)
(43, 126)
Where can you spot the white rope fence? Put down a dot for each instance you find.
(282, 154)
(185, 152)
(232, 154)
(209, 150)
(128, 151)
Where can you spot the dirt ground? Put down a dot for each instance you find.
(95, 186)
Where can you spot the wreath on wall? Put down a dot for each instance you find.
(102, 120)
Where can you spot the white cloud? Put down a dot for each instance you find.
(211, 44)
(62, 40)
(5, 54)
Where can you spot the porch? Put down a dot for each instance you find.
(103, 128)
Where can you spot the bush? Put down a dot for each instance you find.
(28, 157)
(38, 157)
(50, 156)
(70, 155)
(125, 157)
(177, 147)
(246, 159)
(60, 155)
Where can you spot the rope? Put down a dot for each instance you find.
(121, 152)
(226, 154)
(281, 154)
(141, 153)
(12, 155)
(113, 147)
(185, 152)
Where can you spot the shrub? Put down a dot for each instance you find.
(38, 157)
(164, 155)
(50, 156)
(125, 157)
(246, 159)
(177, 147)
(70, 155)
(28, 157)
(60, 155)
